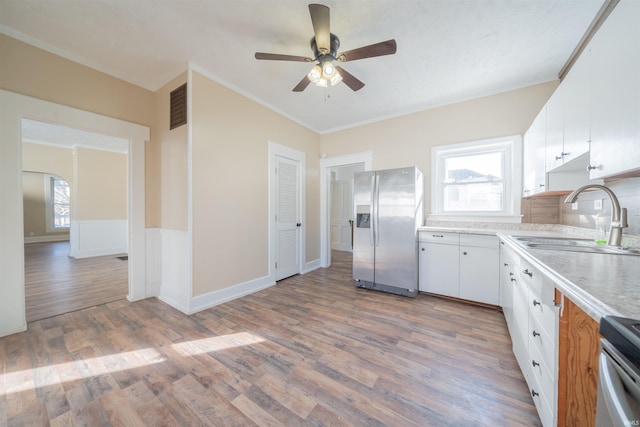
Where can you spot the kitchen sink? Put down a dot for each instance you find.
(572, 245)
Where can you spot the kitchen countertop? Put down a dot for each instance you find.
(600, 284)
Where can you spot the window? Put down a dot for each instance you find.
(477, 179)
(58, 203)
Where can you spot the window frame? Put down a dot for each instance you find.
(49, 194)
(511, 149)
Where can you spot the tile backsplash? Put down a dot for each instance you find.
(553, 210)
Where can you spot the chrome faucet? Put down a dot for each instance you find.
(618, 216)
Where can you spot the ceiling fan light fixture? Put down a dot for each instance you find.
(315, 74)
(328, 70)
(322, 83)
(335, 79)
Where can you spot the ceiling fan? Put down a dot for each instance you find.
(325, 46)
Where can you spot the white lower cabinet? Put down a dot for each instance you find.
(460, 265)
(533, 324)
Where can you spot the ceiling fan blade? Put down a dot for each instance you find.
(302, 85)
(320, 20)
(377, 49)
(278, 57)
(349, 79)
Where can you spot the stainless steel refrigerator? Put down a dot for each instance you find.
(388, 212)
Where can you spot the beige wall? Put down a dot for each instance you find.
(407, 140)
(101, 185)
(38, 159)
(230, 136)
(167, 174)
(34, 72)
(48, 159)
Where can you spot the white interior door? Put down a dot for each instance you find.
(341, 215)
(288, 222)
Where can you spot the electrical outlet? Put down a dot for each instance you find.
(574, 206)
(597, 204)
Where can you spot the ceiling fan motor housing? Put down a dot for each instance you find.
(326, 56)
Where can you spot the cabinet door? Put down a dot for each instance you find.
(615, 126)
(534, 156)
(479, 279)
(555, 129)
(439, 269)
(506, 286)
(520, 337)
(577, 108)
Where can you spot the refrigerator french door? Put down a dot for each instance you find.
(388, 212)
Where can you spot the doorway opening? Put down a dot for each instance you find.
(341, 206)
(329, 169)
(75, 192)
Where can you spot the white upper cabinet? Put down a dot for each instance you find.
(534, 177)
(577, 108)
(555, 129)
(615, 124)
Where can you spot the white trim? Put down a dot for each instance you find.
(153, 263)
(213, 298)
(175, 264)
(310, 266)
(511, 148)
(275, 150)
(365, 157)
(47, 239)
(15, 107)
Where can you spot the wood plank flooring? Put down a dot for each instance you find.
(56, 284)
(312, 350)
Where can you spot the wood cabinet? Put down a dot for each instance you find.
(459, 265)
(578, 352)
(615, 125)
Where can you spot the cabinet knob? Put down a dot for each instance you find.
(541, 185)
(527, 272)
(534, 363)
(464, 253)
(437, 235)
(422, 249)
(534, 393)
(513, 279)
(535, 333)
(562, 155)
(591, 167)
(536, 302)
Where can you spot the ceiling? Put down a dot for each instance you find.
(448, 50)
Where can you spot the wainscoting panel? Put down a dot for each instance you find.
(89, 238)
(153, 265)
(175, 271)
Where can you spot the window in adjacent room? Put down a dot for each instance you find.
(479, 178)
(58, 203)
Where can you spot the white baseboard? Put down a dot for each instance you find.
(211, 299)
(91, 238)
(46, 239)
(6, 332)
(310, 266)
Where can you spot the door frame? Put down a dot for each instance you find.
(15, 107)
(278, 150)
(326, 164)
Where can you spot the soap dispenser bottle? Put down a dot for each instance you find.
(601, 234)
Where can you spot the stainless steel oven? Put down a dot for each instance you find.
(619, 373)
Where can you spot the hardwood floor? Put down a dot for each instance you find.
(56, 284)
(312, 350)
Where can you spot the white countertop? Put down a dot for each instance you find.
(600, 284)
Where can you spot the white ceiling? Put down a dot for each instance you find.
(448, 50)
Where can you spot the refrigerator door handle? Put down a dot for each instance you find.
(376, 201)
(372, 235)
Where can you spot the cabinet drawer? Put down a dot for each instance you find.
(540, 400)
(531, 276)
(543, 344)
(438, 237)
(544, 378)
(543, 309)
(479, 240)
